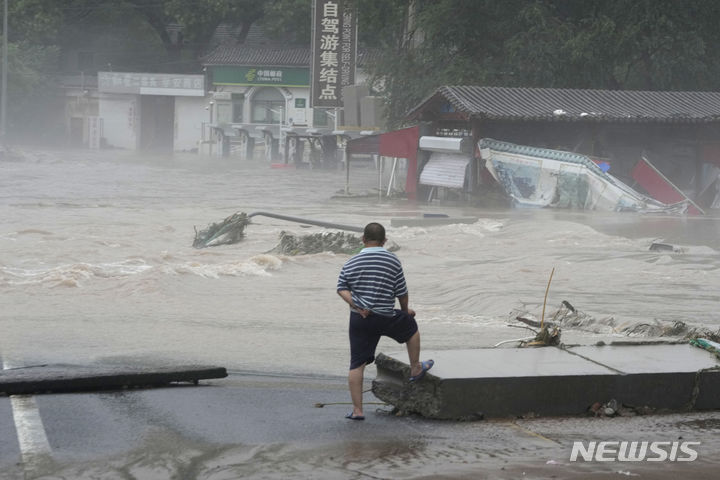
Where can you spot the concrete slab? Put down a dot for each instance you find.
(674, 377)
(551, 381)
(68, 378)
(510, 362)
(670, 358)
(429, 221)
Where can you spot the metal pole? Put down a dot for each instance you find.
(381, 168)
(347, 171)
(391, 183)
(319, 223)
(3, 101)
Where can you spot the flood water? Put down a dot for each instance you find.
(97, 265)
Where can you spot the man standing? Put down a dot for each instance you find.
(369, 282)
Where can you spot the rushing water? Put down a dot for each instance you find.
(96, 265)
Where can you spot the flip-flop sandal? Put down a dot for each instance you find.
(426, 365)
(351, 416)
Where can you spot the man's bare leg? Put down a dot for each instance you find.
(355, 382)
(413, 348)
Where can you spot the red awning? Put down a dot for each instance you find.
(658, 185)
(401, 143)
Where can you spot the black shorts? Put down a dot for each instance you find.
(365, 334)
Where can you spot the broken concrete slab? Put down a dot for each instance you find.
(68, 378)
(466, 384)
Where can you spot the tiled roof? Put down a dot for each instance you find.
(262, 51)
(500, 103)
(258, 56)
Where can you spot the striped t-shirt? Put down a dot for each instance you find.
(375, 278)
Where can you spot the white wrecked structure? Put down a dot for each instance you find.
(540, 177)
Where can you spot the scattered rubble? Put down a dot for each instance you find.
(568, 317)
(613, 408)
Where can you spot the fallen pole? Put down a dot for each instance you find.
(318, 223)
(232, 229)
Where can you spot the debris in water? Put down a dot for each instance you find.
(569, 317)
(665, 247)
(547, 336)
(539, 177)
(231, 230)
(339, 242)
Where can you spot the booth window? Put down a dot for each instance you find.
(238, 102)
(267, 106)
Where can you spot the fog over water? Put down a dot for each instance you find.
(96, 265)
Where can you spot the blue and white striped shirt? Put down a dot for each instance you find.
(374, 278)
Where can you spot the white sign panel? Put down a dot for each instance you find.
(152, 84)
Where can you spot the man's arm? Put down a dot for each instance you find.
(404, 299)
(347, 296)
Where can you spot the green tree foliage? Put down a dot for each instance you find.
(608, 44)
(619, 44)
(421, 44)
(289, 19)
(32, 56)
(200, 19)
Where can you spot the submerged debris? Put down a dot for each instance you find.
(568, 316)
(546, 337)
(339, 242)
(665, 247)
(540, 177)
(231, 230)
(336, 242)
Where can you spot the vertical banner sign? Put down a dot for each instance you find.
(334, 51)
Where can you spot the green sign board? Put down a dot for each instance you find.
(300, 102)
(252, 76)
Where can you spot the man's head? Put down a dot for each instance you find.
(374, 234)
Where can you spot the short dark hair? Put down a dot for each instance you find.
(374, 232)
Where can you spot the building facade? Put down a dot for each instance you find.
(151, 111)
(260, 103)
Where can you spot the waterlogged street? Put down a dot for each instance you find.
(97, 268)
(251, 426)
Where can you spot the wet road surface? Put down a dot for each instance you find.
(259, 426)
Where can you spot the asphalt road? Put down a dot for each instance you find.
(251, 426)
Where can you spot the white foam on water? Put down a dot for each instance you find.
(70, 275)
(127, 278)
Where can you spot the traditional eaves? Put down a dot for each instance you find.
(554, 104)
(261, 57)
(258, 50)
